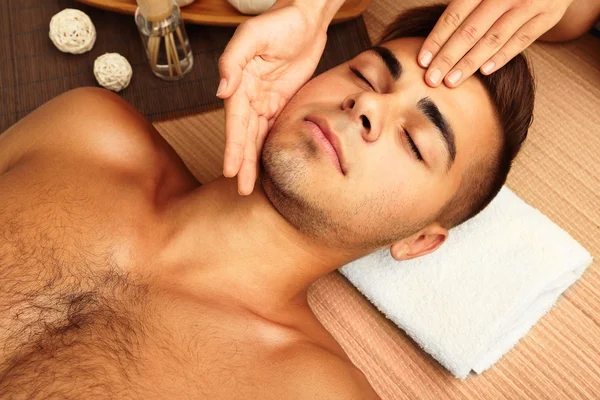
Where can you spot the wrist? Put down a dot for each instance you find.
(319, 13)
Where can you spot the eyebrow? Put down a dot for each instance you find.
(433, 114)
(389, 59)
(425, 105)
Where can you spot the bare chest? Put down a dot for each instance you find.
(107, 336)
(203, 351)
(75, 322)
(147, 347)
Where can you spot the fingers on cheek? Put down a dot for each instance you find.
(237, 112)
(248, 171)
(263, 129)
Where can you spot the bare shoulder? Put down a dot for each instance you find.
(312, 372)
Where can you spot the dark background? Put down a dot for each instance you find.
(33, 70)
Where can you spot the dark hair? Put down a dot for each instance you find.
(511, 90)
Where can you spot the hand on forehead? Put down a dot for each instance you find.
(391, 70)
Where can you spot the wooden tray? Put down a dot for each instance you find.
(220, 12)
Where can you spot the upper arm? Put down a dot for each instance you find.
(579, 18)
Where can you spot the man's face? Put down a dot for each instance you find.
(338, 162)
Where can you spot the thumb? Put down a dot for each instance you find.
(239, 51)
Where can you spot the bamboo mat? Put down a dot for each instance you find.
(33, 71)
(557, 172)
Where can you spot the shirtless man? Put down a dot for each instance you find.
(122, 277)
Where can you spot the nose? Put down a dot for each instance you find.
(362, 110)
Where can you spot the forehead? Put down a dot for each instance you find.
(467, 107)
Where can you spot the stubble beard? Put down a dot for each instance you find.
(286, 182)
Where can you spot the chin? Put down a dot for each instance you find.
(303, 188)
(284, 172)
(306, 206)
(288, 178)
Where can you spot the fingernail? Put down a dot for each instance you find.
(426, 58)
(222, 86)
(435, 76)
(455, 76)
(488, 67)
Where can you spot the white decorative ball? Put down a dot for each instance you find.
(72, 31)
(112, 71)
(252, 7)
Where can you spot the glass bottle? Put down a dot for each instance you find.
(164, 38)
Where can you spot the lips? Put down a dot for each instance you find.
(328, 140)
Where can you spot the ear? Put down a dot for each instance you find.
(423, 242)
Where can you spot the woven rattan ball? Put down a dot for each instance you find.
(72, 31)
(112, 71)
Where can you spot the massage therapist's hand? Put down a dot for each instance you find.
(484, 34)
(267, 60)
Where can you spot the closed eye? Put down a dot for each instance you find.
(361, 76)
(413, 146)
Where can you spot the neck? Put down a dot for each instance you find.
(245, 249)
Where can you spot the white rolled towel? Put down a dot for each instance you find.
(472, 300)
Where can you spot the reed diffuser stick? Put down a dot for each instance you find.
(156, 51)
(153, 47)
(168, 48)
(174, 53)
(181, 40)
